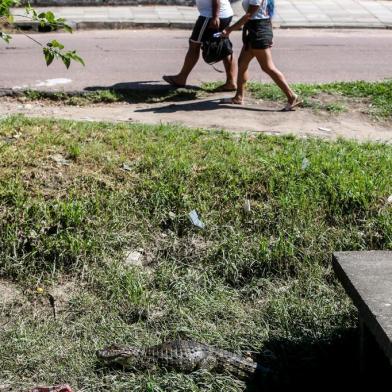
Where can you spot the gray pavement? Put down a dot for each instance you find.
(290, 14)
(139, 58)
(367, 278)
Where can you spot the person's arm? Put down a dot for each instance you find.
(252, 9)
(214, 23)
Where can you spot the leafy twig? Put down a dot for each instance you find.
(53, 49)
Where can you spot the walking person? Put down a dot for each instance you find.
(215, 16)
(257, 39)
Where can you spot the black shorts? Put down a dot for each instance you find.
(258, 34)
(201, 32)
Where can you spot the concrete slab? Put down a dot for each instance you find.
(367, 278)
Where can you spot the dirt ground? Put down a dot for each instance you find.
(254, 116)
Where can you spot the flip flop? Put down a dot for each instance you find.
(230, 101)
(171, 81)
(291, 106)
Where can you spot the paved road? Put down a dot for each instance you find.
(140, 57)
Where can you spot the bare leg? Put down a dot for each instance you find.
(231, 73)
(264, 57)
(191, 58)
(243, 76)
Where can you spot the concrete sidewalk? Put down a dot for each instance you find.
(289, 14)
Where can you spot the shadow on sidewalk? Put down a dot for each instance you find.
(213, 104)
(142, 85)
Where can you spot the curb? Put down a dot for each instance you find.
(106, 25)
(121, 25)
(333, 26)
(9, 92)
(129, 24)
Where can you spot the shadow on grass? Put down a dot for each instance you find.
(325, 365)
(147, 91)
(143, 85)
(201, 106)
(330, 365)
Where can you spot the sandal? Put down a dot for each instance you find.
(230, 101)
(290, 106)
(169, 79)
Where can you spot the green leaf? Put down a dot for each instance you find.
(79, 60)
(75, 57)
(66, 60)
(50, 17)
(55, 44)
(5, 37)
(67, 28)
(28, 8)
(5, 6)
(49, 56)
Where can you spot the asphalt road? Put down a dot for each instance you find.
(140, 57)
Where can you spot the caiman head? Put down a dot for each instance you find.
(114, 355)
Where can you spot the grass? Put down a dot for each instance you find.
(375, 98)
(260, 281)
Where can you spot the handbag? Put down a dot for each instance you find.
(216, 49)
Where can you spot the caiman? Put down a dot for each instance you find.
(182, 356)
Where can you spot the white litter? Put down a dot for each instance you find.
(59, 159)
(246, 206)
(305, 164)
(134, 258)
(195, 220)
(126, 167)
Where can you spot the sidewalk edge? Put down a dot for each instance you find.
(122, 25)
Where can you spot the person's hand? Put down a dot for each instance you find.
(214, 23)
(226, 32)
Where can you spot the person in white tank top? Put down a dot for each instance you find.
(205, 8)
(214, 16)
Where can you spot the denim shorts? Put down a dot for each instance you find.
(258, 34)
